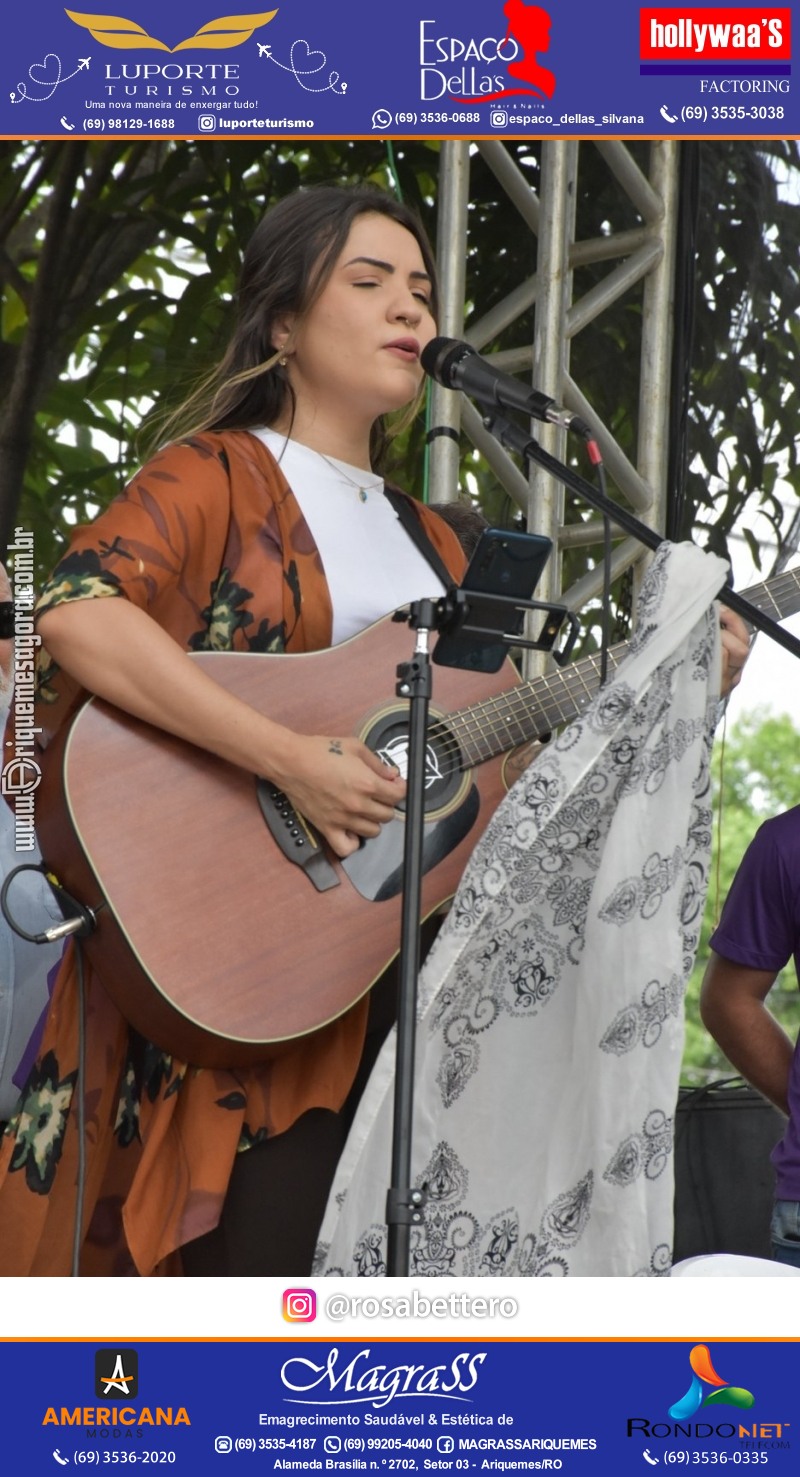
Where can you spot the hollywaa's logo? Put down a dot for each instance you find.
(715, 33)
(527, 36)
(704, 1374)
(217, 35)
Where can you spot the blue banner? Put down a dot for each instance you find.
(399, 1408)
(470, 68)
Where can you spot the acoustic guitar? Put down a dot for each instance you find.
(225, 929)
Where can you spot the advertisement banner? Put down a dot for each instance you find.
(479, 1375)
(482, 68)
(374, 1407)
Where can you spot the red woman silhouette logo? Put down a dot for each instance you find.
(530, 27)
(527, 34)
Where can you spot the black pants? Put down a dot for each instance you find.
(278, 1190)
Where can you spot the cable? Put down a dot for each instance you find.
(391, 164)
(392, 167)
(605, 623)
(80, 1183)
(79, 919)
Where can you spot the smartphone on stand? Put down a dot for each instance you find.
(505, 562)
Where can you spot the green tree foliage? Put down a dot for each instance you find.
(118, 270)
(756, 777)
(119, 261)
(745, 362)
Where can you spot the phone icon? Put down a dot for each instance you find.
(70, 127)
(64, 1461)
(665, 113)
(653, 1460)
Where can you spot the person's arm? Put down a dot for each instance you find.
(733, 1011)
(115, 649)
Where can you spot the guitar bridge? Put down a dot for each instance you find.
(299, 841)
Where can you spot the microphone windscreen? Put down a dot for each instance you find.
(439, 357)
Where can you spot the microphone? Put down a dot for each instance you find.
(458, 366)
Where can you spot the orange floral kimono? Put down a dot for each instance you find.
(210, 539)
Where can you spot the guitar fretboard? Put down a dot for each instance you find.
(535, 708)
(529, 711)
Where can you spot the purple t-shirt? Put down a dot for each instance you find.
(760, 928)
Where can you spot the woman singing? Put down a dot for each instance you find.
(266, 527)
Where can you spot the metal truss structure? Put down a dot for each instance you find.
(643, 255)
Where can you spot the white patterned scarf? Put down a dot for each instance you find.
(551, 1006)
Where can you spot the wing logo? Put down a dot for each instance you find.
(126, 35)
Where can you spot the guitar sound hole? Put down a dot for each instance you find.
(388, 738)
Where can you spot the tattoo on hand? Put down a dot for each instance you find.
(335, 747)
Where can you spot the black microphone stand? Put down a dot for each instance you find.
(405, 1204)
(516, 438)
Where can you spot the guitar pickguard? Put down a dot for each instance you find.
(376, 869)
(451, 802)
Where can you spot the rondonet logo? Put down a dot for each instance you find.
(715, 33)
(707, 1392)
(698, 1393)
(127, 35)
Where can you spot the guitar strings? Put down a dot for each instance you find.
(481, 732)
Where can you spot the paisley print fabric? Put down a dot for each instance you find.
(550, 1008)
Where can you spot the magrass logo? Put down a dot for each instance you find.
(126, 35)
(116, 1374)
(703, 1375)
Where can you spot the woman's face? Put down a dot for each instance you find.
(356, 351)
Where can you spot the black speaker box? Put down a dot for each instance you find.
(724, 1135)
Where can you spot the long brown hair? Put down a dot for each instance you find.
(287, 263)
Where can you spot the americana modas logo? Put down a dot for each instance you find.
(707, 1388)
(116, 1374)
(127, 35)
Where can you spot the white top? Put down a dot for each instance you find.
(370, 563)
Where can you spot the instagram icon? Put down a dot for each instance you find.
(299, 1305)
